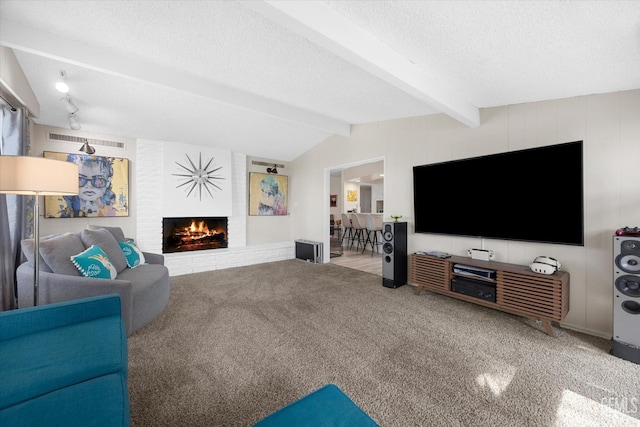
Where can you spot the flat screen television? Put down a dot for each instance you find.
(533, 195)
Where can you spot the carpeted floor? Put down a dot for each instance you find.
(235, 345)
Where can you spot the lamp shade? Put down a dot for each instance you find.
(37, 175)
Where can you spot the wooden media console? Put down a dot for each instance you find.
(518, 290)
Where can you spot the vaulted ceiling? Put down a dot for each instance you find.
(274, 78)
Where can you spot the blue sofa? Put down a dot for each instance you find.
(64, 364)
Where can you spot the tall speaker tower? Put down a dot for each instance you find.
(626, 298)
(394, 254)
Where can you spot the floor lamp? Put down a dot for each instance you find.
(37, 176)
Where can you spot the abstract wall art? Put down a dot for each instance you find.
(268, 194)
(103, 188)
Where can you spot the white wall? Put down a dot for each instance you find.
(609, 125)
(377, 194)
(370, 170)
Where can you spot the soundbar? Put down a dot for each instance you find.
(470, 270)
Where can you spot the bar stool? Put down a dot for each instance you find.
(359, 229)
(372, 228)
(348, 230)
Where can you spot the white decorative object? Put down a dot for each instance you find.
(545, 265)
(482, 254)
(196, 181)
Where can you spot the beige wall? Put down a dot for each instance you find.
(269, 229)
(14, 86)
(609, 125)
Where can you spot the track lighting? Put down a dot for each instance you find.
(272, 170)
(86, 148)
(69, 105)
(73, 122)
(71, 108)
(61, 85)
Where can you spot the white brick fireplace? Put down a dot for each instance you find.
(149, 184)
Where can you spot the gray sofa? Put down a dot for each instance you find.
(143, 290)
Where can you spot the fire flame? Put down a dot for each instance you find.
(201, 228)
(196, 231)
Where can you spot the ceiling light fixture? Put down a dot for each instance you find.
(61, 85)
(69, 105)
(86, 148)
(272, 170)
(73, 122)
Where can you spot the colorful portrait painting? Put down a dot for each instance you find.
(268, 194)
(103, 188)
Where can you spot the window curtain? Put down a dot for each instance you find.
(13, 220)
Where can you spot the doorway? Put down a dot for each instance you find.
(367, 178)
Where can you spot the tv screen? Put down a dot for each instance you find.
(533, 195)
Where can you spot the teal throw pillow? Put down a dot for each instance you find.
(132, 253)
(93, 262)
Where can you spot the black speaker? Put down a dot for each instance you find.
(626, 297)
(394, 254)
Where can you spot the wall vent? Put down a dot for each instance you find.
(256, 162)
(80, 140)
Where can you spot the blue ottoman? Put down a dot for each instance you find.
(327, 406)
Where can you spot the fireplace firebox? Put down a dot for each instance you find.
(193, 234)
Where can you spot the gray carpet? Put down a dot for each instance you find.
(235, 345)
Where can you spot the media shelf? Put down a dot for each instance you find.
(518, 290)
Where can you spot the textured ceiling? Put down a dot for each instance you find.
(272, 79)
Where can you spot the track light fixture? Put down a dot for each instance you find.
(69, 105)
(61, 84)
(71, 108)
(86, 148)
(272, 170)
(73, 122)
